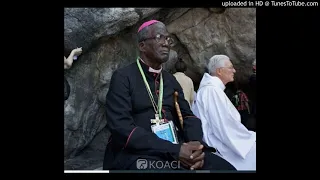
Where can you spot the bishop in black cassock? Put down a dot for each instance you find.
(129, 111)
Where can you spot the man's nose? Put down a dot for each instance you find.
(166, 43)
(234, 70)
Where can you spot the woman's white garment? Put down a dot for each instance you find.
(221, 124)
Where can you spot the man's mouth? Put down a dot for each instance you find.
(164, 52)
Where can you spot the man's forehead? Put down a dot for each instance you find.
(158, 28)
(228, 63)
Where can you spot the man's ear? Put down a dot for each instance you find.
(141, 46)
(218, 71)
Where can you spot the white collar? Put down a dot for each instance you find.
(151, 69)
(155, 71)
(215, 80)
(220, 83)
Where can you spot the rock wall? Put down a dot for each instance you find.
(204, 33)
(108, 38)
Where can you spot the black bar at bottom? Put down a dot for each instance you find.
(176, 171)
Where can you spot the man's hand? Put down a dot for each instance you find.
(197, 157)
(191, 155)
(184, 155)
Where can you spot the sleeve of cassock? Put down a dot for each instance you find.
(123, 129)
(225, 125)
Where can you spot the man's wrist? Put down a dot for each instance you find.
(175, 151)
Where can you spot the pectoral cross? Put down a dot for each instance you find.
(157, 120)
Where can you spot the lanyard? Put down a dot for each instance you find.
(149, 91)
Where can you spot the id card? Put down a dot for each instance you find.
(165, 131)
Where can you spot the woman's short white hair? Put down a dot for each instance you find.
(215, 62)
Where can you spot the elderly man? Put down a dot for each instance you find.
(221, 122)
(144, 125)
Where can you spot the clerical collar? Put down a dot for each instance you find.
(151, 69)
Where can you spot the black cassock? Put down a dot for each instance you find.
(128, 112)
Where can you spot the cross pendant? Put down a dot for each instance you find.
(156, 120)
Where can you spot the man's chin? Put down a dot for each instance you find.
(164, 59)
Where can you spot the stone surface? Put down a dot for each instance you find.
(204, 33)
(91, 158)
(84, 26)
